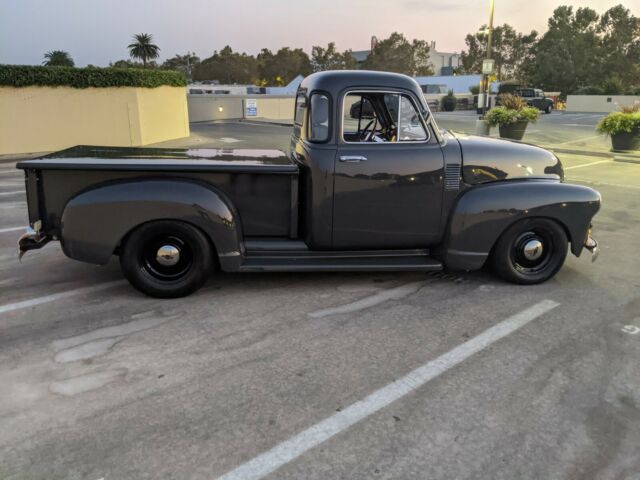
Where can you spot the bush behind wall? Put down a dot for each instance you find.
(28, 76)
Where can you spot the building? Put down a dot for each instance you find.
(443, 63)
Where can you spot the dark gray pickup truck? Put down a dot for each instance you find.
(376, 187)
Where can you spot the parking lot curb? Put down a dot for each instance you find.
(627, 158)
(266, 122)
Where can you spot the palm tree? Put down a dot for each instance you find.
(143, 49)
(58, 58)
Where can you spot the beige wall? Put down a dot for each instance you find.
(599, 103)
(39, 119)
(204, 108)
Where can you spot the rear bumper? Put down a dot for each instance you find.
(31, 240)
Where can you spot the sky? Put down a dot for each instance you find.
(98, 31)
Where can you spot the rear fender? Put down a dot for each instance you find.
(95, 222)
(484, 212)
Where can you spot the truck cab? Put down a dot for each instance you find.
(369, 183)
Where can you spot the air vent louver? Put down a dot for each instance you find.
(452, 176)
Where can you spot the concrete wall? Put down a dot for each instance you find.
(205, 108)
(599, 103)
(39, 119)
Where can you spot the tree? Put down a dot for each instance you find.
(58, 58)
(184, 63)
(330, 59)
(512, 51)
(397, 54)
(131, 64)
(283, 66)
(620, 46)
(227, 67)
(143, 49)
(566, 57)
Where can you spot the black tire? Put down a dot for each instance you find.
(515, 263)
(549, 109)
(171, 275)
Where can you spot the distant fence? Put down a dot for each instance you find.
(599, 103)
(205, 108)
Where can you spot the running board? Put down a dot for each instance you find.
(339, 262)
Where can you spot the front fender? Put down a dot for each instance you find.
(484, 212)
(95, 222)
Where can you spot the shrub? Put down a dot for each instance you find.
(512, 109)
(474, 89)
(449, 102)
(620, 122)
(27, 76)
(512, 102)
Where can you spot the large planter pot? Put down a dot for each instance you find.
(514, 131)
(483, 127)
(626, 141)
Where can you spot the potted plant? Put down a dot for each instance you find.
(623, 127)
(512, 116)
(449, 102)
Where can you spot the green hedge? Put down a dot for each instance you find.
(27, 76)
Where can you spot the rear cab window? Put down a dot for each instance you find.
(319, 116)
(298, 116)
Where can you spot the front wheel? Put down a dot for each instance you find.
(530, 251)
(549, 109)
(166, 259)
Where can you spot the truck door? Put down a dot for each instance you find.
(388, 174)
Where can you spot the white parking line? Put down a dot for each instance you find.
(12, 307)
(598, 183)
(371, 301)
(11, 229)
(588, 164)
(11, 193)
(289, 450)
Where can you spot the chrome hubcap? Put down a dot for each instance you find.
(533, 250)
(168, 255)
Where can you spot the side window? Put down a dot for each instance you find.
(298, 117)
(381, 117)
(319, 115)
(410, 128)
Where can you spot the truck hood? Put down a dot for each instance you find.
(487, 159)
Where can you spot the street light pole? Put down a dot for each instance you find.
(489, 41)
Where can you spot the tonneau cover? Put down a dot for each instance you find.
(165, 159)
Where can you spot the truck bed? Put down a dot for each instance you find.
(262, 184)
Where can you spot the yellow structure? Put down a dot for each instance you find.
(41, 119)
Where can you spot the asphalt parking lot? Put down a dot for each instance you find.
(325, 376)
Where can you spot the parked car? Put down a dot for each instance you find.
(533, 96)
(389, 192)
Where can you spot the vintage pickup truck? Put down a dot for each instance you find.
(376, 187)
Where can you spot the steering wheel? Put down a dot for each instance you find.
(365, 131)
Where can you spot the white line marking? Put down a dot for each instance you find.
(12, 307)
(289, 450)
(7, 172)
(11, 193)
(372, 300)
(588, 164)
(12, 229)
(584, 139)
(592, 182)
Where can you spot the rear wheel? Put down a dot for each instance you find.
(530, 251)
(166, 259)
(548, 109)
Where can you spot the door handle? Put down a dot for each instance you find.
(353, 158)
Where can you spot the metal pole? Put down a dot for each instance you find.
(488, 86)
